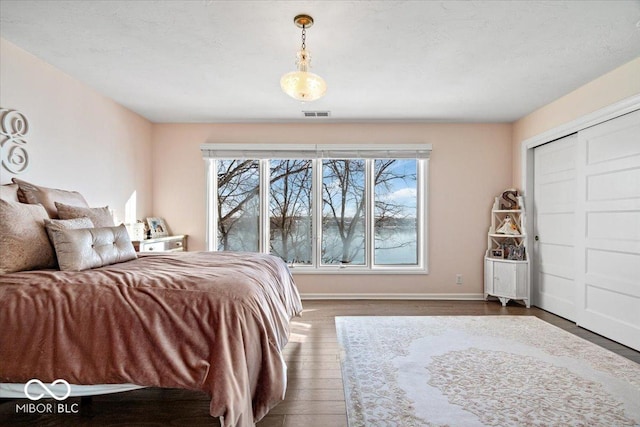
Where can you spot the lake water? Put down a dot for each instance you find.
(394, 246)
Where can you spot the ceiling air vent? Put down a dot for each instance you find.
(316, 113)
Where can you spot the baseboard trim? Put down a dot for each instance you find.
(457, 297)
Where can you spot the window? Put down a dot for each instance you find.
(396, 212)
(320, 208)
(238, 205)
(343, 212)
(290, 210)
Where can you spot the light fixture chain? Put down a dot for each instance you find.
(304, 37)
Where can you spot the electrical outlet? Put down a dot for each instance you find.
(458, 279)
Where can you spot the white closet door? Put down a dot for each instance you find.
(608, 249)
(553, 272)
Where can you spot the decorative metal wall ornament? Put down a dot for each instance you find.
(13, 128)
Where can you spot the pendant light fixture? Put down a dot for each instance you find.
(302, 84)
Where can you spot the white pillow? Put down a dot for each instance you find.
(86, 248)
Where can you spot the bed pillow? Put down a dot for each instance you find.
(100, 217)
(24, 244)
(86, 248)
(66, 224)
(34, 194)
(9, 192)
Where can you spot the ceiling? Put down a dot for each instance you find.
(434, 61)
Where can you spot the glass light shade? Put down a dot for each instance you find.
(303, 85)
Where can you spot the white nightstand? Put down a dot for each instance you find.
(162, 244)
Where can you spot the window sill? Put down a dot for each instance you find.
(358, 271)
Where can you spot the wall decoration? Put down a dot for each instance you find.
(13, 128)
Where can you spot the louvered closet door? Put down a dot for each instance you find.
(553, 272)
(608, 250)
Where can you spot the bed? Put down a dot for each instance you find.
(210, 321)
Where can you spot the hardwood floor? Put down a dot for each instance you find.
(315, 395)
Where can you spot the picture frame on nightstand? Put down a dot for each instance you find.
(157, 226)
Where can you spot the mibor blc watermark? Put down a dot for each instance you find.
(35, 390)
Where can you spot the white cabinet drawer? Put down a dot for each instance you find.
(152, 247)
(162, 244)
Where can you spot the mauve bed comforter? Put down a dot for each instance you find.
(210, 321)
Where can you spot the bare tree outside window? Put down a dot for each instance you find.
(344, 206)
(238, 205)
(343, 210)
(290, 210)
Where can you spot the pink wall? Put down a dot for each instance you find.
(612, 87)
(78, 139)
(470, 164)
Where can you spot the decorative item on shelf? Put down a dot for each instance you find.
(302, 84)
(509, 199)
(508, 247)
(157, 227)
(508, 227)
(497, 253)
(516, 253)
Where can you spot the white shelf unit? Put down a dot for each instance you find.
(506, 262)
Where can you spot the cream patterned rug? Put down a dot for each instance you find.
(481, 371)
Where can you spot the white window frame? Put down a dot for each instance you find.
(316, 153)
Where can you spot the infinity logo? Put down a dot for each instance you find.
(51, 393)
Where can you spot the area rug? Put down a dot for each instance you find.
(481, 371)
